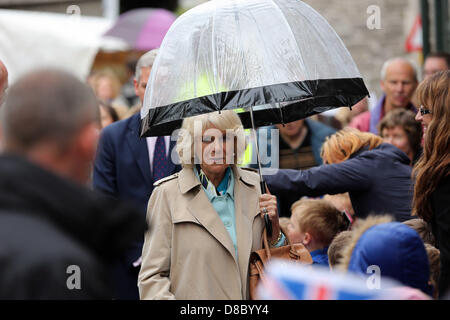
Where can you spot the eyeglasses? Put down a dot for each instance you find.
(424, 111)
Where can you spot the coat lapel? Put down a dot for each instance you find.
(246, 196)
(139, 148)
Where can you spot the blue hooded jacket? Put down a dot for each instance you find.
(397, 250)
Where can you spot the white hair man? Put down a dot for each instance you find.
(141, 78)
(126, 167)
(143, 69)
(398, 82)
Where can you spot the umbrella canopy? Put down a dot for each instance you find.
(142, 29)
(279, 56)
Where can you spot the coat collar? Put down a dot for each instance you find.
(188, 180)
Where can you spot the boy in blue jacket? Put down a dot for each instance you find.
(314, 223)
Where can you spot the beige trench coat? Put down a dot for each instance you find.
(188, 253)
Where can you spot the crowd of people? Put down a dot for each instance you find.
(152, 218)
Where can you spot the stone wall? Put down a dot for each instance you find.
(371, 47)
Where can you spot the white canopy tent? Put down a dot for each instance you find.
(32, 40)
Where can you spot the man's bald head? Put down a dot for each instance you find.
(399, 63)
(3, 80)
(46, 106)
(398, 81)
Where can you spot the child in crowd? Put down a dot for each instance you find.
(392, 248)
(337, 246)
(425, 233)
(423, 229)
(435, 266)
(314, 223)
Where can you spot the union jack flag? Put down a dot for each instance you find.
(287, 281)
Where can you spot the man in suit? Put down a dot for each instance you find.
(127, 166)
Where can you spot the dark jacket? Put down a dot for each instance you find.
(378, 181)
(440, 224)
(269, 153)
(122, 165)
(48, 225)
(319, 132)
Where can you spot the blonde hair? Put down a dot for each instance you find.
(226, 120)
(337, 246)
(319, 218)
(346, 142)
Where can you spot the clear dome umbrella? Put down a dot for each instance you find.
(279, 55)
(275, 61)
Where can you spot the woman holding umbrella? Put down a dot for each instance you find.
(207, 218)
(223, 56)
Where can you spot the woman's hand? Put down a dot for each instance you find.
(268, 202)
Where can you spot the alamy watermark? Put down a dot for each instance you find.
(373, 282)
(373, 22)
(74, 14)
(214, 146)
(73, 281)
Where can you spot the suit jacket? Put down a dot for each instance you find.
(122, 170)
(191, 255)
(122, 165)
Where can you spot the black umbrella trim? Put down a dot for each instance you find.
(298, 99)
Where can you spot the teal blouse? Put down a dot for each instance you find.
(222, 199)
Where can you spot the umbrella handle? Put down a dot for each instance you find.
(263, 187)
(267, 222)
(268, 225)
